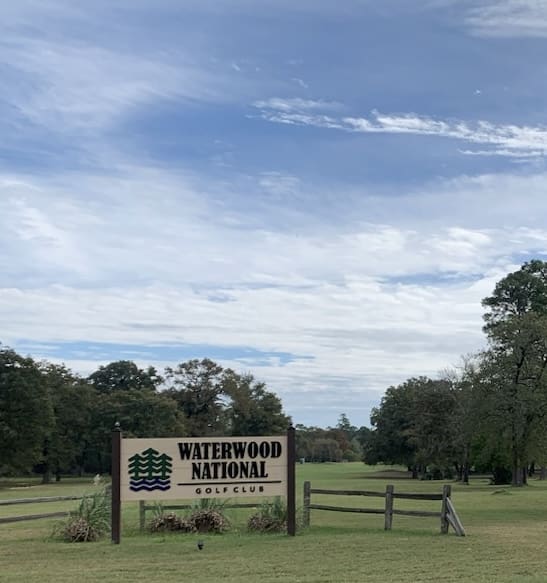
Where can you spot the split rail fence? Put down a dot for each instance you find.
(58, 514)
(447, 514)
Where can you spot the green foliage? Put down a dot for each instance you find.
(251, 409)
(90, 522)
(124, 375)
(216, 504)
(271, 517)
(217, 401)
(26, 413)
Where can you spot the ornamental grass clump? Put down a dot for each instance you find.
(169, 522)
(271, 517)
(208, 515)
(89, 522)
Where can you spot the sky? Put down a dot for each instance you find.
(319, 193)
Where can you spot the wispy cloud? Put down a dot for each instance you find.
(505, 140)
(509, 18)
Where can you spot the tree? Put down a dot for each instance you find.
(516, 326)
(196, 387)
(251, 409)
(124, 375)
(66, 441)
(140, 414)
(516, 390)
(26, 413)
(412, 426)
(466, 422)
(518, 293)
(391, 423)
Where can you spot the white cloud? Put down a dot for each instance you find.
(505, 140)
(510, 18)
(140, 257)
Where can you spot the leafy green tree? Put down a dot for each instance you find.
(26, 414)
(251, 408)
(325, 449)
(516, 391)
(68, 437)
(516, 326)
(140, 414)
(197, 388)
(124, 375)
(412, 426)
(518, 293)
(391, 422)
(468, 413)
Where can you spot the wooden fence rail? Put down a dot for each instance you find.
(59, 514)
(447, 513)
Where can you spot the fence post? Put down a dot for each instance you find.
(307, 502)
(291, 481)
(388, 516)
(116, 505)
(447, 491)
(142, 515)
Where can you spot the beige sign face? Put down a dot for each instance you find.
(203, 467)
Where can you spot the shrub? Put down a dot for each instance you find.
(169, 523)
(271, 517)
(89, 522)
(208, 520)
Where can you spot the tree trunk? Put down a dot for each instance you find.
(516, 470)
(542, 473)
(414, 472)
(465, 478)
(524, 473)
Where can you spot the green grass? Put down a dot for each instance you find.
(507, 535)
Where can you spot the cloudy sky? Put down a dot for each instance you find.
(317, 192)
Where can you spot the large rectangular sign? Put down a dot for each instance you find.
(203, 467)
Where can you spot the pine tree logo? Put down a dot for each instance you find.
(150, 470)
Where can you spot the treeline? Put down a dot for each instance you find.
(344, 442)
(487, 415)
(54, 422)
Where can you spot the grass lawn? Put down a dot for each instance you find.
(507, 538)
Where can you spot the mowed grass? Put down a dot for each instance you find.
(507, 537)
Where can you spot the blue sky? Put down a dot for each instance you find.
(319, 193)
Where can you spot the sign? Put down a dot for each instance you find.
(203, 467)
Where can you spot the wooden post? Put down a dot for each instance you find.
(307, 502)
(291, 481)
(116, 514)
(142, 515)
(447, 491)
(388, 515)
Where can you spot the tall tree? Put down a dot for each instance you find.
(68, 437)
(196, 386)
(26, 414)
(516, 326)
(412, 426)
(518, 293)
(124, 375)
(251, 408)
